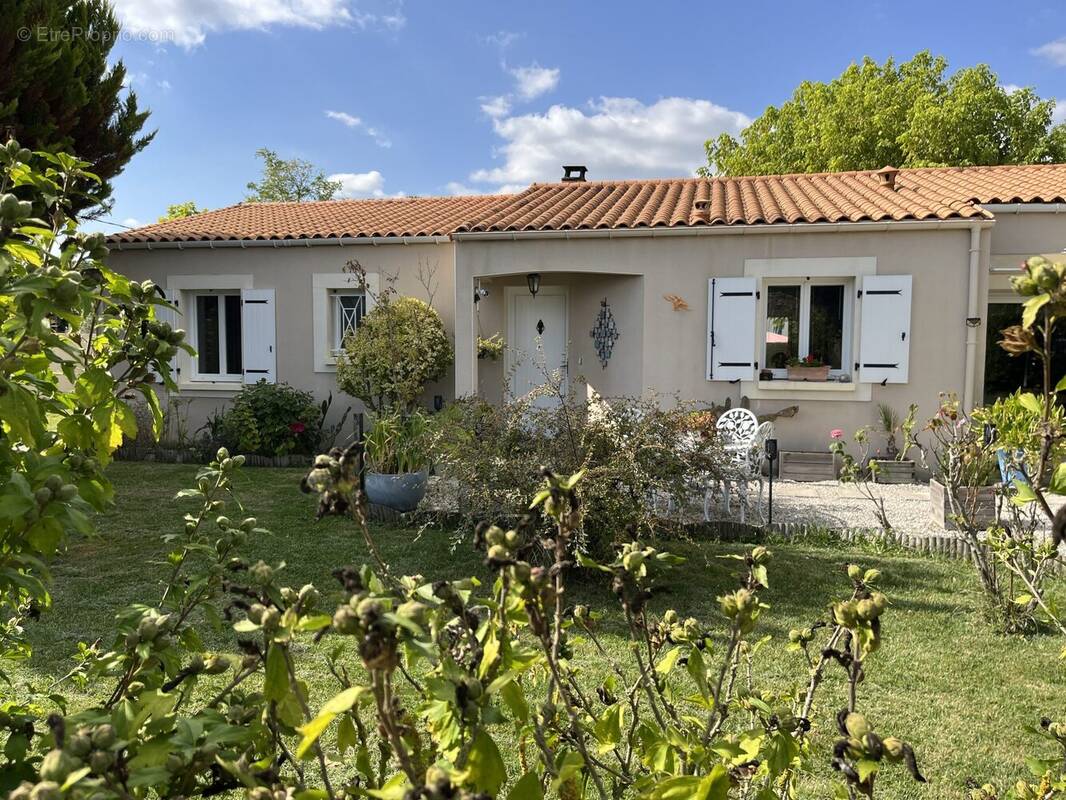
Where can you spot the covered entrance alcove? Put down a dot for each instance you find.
(580, 332)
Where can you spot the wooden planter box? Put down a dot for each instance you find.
(893, 471)
(809, 373)
(984, 505)
(799, 466)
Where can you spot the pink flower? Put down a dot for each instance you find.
(836, 433)
(297, 427)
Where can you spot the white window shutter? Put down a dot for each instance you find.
(885, 334)
(732, 305)
(258, 334)
(171, 317)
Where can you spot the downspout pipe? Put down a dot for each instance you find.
(973, 319)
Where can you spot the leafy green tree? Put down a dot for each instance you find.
(909, 115)
(290, 179)
(181, 210)
(58, 91)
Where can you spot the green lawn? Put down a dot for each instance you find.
(942, 679)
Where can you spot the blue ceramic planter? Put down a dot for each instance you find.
(1008, 472)
(401, 492)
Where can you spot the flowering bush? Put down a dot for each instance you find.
(272, 419)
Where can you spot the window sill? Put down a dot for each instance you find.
(821, 390)
(807, 386)
(210, 387)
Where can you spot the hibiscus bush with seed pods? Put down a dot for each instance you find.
(77, 343)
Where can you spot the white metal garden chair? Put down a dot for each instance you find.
(743, 439)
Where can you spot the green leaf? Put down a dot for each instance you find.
(608, 729)
(1058, 479)
(484, 766)
(1032, 307)
(1030, 402)
(515, 699)
(1023, 600)
(1023, 493)
(276, 682)
(344, 701)
(347, 736)
(668, 661)
(527, 788)
(312, 730)
(865, 767)
(1061, 385)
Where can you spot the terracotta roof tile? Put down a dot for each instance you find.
(329, 219)
(918, 194)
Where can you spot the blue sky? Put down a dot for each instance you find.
(456, 96)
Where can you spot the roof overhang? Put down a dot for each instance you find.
(960, 223)
(338, 241)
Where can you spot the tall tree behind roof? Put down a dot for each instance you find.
(57, 92)
(908, 115)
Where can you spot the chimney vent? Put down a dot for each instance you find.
(574, 173)
(886, 176)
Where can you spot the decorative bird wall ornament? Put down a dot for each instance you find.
(677, 302)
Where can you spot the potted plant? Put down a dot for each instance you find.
(896, 468)
(808, 368)
(397, 460)
(491, 348)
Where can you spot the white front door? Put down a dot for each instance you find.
(537, 343)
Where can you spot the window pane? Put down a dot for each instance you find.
(207, 334)
(234, 344)
(782, 325)
(1004, 374)
(827, 324)
(348, 313)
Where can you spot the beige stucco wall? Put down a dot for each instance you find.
(290, 271)
(673, 344)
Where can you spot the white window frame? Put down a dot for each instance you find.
(797, 270)
(847, 334)
(337, 326)
(182, 288)
(323, 287)
(194, 334)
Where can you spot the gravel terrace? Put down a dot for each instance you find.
(837, 505)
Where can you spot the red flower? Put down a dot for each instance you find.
(297, 427)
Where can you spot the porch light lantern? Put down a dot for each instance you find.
(533, 282)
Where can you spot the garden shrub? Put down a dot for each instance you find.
(399, 347)
(272, 419)
(637, 458)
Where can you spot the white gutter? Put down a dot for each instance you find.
(1024, 208)
(972, 318)
(726, 230)
(341, 241)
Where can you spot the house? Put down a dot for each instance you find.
(700, 288)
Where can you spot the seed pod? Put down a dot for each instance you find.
(856, 725)
(103, 736)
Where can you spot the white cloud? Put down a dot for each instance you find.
(1059, 114)
(534, 80)
(361, 185)
(164, 85)
(1055, 51)
(345, 118)
(352, 121)
(496, 106)
(132, 222)
(187, 22)
(457, 188)
(617, 137)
